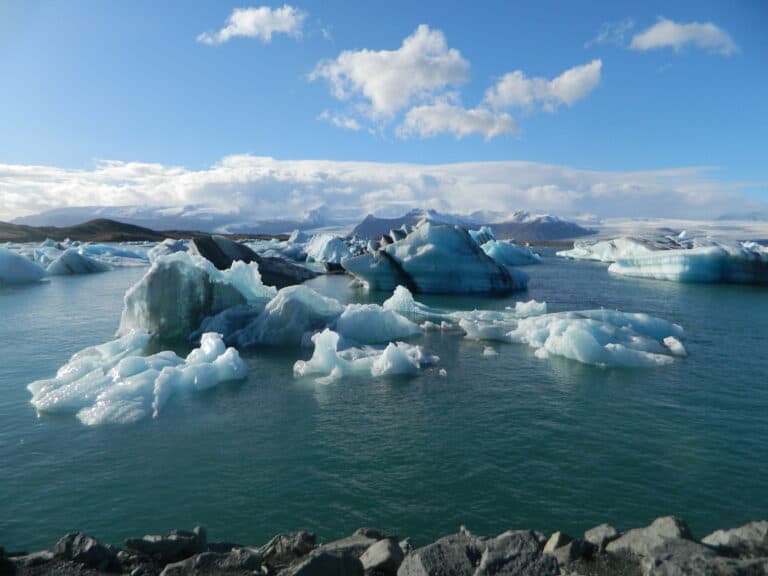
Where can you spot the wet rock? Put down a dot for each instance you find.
(382, 557)
(236, 562)
(601, 535)
(325, 563)
(748, 541)
(88, 551)
(285, 548)
(641, 541)
(175, 546)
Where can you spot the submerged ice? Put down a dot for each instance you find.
(117, 382)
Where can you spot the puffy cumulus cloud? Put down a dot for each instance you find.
(389, 80)
(669, 34)
(443, 117)
(256, 188)
(515, 89)
(261, 22)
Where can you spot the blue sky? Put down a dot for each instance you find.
(132, 82)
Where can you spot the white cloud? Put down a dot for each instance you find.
(340, 121)
(668, 34)
(389, 80)
(261, 22)
(612, 33)
(515, 89)
(443, 117)
(260, 188)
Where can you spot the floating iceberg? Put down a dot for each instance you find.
(293, 314)
(729, 263)
(506, 253)
(679, 258)
(116, 383)
(71, 261)
(600, 337)
(328, 364)
(435, 259)
(510, 254)
(16, 269)
(181, 289)
(371, 324)
(327, 248)
(167, 246)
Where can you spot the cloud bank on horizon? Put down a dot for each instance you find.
(266, 188)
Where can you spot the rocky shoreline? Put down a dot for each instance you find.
(664, 548)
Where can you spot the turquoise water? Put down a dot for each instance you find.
(501, 442)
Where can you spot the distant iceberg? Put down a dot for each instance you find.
(16, 269)
(434, 259)
(72, 261)
(116, 383)
(679, 258)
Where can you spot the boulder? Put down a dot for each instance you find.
(383, 557)
(601, 535)
(238, 561)
(325, 563)
(516, 552)
(285, 548)
(641, 541)
(557, 540)
(355, 544)
(83, 549)
(749, 541)
(175, 546)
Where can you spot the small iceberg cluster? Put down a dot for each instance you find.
(328, 364)
(28, 263)
(324, 248)
(433, 259)
(117, 383)
(598, 337)
(679, 258)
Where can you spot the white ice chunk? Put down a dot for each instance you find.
(327, 248)
(329, 364)
(115, 383)
(288, 317)
(530, 308)
(16, 269)
(510, 254)
(369, 324)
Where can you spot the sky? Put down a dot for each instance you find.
(612, 108)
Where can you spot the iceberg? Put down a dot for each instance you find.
(167, 246)
(327, 248)
(599, 337)
(371, 324)
(727, 263)
(71, 261)
(289, 318)
(328, 364)
(16, 269)
(117, 383)
(510, 254)
(679, 258)
(434, 259)
(180, 290)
